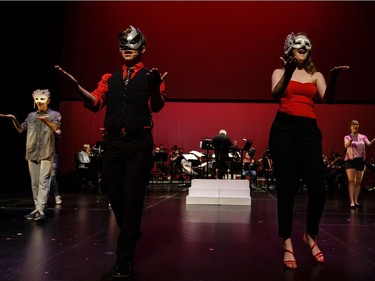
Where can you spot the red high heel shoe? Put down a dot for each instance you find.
(318, 256)
(291, 264)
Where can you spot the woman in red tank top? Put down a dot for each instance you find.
(295, 141)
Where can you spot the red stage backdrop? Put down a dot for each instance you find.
(222, 50)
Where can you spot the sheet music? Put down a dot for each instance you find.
(197, 153)
(190, 156)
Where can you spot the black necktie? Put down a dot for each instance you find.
(128, 74)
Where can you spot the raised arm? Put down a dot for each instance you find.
(281, 77)
(327, 91)
(370, 143)
(15, 122)
(157, 84)
(85, 95)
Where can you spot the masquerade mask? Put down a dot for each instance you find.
(291, 42)
(41, 96)
(302, 42)
(41, 99)
(132, 40)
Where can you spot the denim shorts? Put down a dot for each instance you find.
(356, 163)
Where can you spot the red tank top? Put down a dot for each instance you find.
(297, 99)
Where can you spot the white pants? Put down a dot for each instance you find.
(40, 173)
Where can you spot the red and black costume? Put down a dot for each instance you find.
(296, 150)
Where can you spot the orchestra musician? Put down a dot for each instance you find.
(250, 166)
(335, 175)
(175, 161)
(187, 168)
(267, 169)
(235, 160)
(161, 159)
(84, 168)
(97, 161)
(222, 144)
(235, 152)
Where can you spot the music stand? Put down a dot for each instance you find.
(247, 145)
(161, 157)
(197, 153)
(191, 158)
(207, 145)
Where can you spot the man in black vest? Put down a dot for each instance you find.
(131, 96)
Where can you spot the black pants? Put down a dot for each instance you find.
(127, 162)
(296, 151)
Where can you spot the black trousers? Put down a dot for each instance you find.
(296, 151)
(127, 162)
(222, 167)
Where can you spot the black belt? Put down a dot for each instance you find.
(126, 134)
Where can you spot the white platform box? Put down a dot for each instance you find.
(219, 192)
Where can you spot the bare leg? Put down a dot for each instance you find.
(351, 173)
(357, 185)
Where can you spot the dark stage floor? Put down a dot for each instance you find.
(183, 242)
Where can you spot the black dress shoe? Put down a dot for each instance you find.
(352, 206)
(358, 205)
(123, 268)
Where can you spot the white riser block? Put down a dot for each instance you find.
(234, 192)
(234, 201)
(219, 192)
(202, 200)
(204, 191)
(219, 183)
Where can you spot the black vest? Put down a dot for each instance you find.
(128, 107)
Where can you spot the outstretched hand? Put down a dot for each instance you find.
(42, 117)
(7, 116)
(67, 74)
(338, 69)
(155, 78)
(85, 95)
